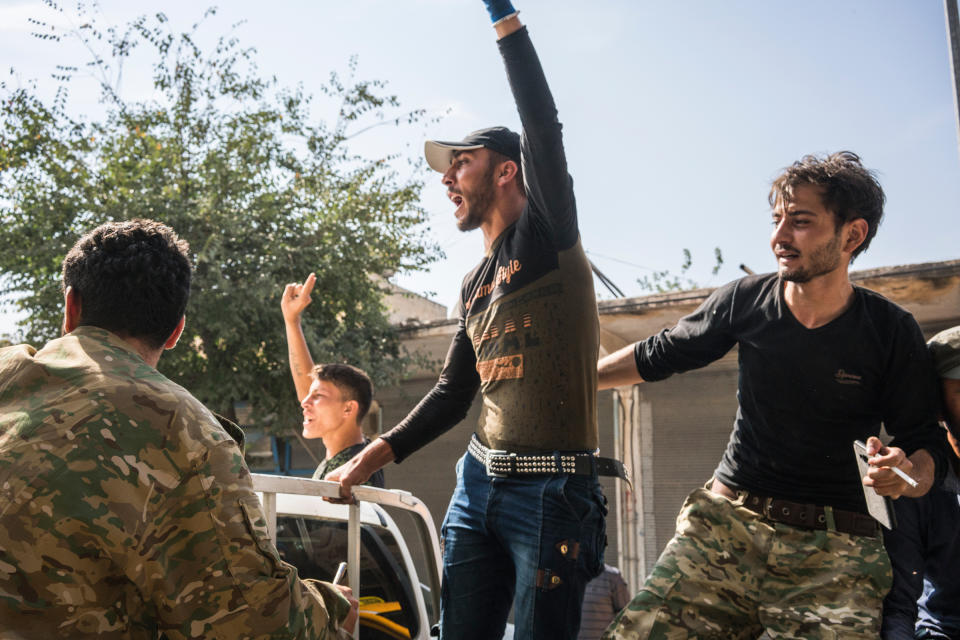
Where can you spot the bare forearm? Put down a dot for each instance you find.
(375, 456)
(507, 26)
(300, 361)
(618, 369)
(923, 472)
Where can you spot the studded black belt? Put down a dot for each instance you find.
(503, 464)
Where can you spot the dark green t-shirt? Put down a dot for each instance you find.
(528, 334)
(337, 459)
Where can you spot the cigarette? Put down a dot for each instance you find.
(910, 481)
(341, 571)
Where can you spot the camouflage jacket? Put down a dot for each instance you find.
(127, 511)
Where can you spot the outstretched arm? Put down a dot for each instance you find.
(360, 467)
(295, 299)
(618, 369)
(442, 408)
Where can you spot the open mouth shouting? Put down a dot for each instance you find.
(457, 199)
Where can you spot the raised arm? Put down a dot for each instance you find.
(295, 299)
(548, 185)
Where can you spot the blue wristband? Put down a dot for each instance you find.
(499, 9)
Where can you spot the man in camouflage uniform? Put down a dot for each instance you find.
(127, 510)
(780, 540)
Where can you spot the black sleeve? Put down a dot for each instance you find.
(445, 405)
(911, 397)
(549, 186)
(906, 548)
(697, 339)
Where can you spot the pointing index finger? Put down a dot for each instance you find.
(308, 284)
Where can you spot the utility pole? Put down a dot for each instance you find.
(953, 35)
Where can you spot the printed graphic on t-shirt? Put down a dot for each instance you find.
(844, 377)
(504, 368)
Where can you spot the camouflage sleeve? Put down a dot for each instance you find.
(207, 565)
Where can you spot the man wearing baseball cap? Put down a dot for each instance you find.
(525, 524)
(925, 547)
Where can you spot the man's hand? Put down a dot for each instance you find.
(885, 482)
(359, 468)
(295, 298)
(351, 620)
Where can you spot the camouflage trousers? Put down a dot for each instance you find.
(730, 573)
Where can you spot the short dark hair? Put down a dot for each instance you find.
(352, 382)
(850, 190)
(132, 278)
(496, 158)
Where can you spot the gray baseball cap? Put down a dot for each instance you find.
(439, 153)
(945, 349)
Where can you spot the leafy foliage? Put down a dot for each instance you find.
(236, 166)
(664, 281)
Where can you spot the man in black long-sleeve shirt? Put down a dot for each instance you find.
(526, 521)
(780, 538)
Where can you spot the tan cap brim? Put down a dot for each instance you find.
(439, 154)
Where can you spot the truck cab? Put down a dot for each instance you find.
(387, 539)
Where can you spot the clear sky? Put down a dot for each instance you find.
(676, 114)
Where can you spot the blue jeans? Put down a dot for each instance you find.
(533, 541)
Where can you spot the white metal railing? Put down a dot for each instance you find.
(271, 485)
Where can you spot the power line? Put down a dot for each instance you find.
(629, 264)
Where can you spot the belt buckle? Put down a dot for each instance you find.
(498, 453)
(766, 508)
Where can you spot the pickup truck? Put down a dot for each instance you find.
(387, 539)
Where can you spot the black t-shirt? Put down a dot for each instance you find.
(528, 336)
(806, 394)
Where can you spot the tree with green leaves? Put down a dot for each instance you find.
(236, 165)
(665, 281)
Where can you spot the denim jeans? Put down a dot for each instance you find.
(533, 541)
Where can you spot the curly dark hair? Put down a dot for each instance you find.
(352, 382)
(132, 278)
(850, 190)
